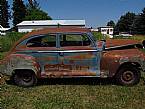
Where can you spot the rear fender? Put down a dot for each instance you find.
(19, 61)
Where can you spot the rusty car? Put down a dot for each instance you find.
(72, 52)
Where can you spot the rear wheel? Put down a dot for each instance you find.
(25, 78)
(128, 75)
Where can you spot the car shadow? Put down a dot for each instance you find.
(76, 81)
(72, 81)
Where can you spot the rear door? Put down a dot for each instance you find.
(78, 56)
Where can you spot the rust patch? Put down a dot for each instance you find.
(119, 42)
(18, 61)
(67, 70)
(111, 60)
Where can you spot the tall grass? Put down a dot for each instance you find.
(7, 41)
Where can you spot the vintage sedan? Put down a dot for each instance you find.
(71, 52)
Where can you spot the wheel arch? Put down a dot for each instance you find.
(22, 70)
(130, 64)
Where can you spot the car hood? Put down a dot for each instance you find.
(120, 42)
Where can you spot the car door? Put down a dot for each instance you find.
(44, 49)
(78, 56)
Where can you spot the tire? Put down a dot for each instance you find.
(128, 76)
(24, 78)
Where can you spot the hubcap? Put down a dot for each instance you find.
(26, 77)
(128, 76)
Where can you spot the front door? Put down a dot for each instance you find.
(44, 49)
(78, 56)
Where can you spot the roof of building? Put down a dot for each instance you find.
(106, 27)
(52, 22)
(3, 29)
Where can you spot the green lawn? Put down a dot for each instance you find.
(73, 94)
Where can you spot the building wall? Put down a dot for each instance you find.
(106, 31)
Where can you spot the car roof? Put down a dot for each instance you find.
(53, 30)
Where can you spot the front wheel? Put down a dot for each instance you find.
(128, 76)
(24, 78)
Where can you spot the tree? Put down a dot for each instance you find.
(19, 11)
(138, 26)
(111, 23)
(31, 2)
(35, 13)
(4, 13)
(125, 22)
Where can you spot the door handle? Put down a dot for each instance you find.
(61, 54)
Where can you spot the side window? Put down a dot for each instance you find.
(48, 40)
(74, 40)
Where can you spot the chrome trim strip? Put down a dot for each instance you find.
(68, 51)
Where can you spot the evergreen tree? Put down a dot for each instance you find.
(138, 26)
(4, 13)
(32, 2)
(125, 23)
(111, 23)
(35, 13)
(19, 11)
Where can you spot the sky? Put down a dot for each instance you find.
(95, 12)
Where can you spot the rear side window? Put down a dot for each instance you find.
(74, 40)
(48, 40)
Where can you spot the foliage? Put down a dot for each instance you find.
(19, 11)
(138, 26)
(6, 42)
(31, 2)
(111, 23)
(35, 13)
(2, 55)
(99, 36)
(4, 13)
(125, 23)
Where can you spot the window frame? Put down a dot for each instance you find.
(42, 35)
(81, 34)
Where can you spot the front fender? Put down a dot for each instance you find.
(113, 59)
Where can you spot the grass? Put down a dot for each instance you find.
(74, 94)
(71, 93)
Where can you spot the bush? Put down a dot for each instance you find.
(2, 55)
(7, 41)
(99, 36)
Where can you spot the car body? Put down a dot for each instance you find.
(71, 52)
